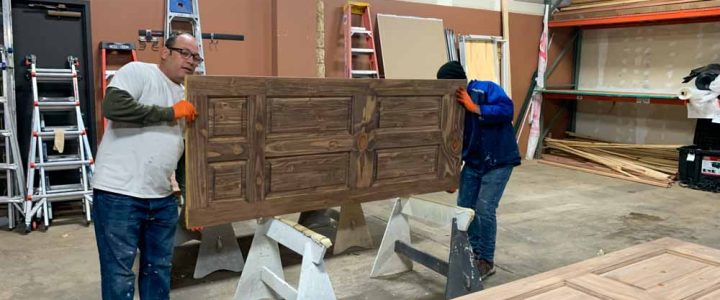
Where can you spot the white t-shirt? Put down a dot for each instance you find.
(136, 160)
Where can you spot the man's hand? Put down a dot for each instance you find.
(465, 100)
(184, 109)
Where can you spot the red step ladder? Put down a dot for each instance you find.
(121, 53)
(361, 58)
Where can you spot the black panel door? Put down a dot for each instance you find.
(51, 39)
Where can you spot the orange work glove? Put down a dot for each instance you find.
(465, 100)
(184, 109)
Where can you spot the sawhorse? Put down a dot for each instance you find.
(219, 249)
(396, 253)
(352, 230)
(263, 277)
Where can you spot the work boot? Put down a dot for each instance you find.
(485, 267)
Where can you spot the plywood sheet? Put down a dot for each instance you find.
(411, 47)
(661, 269)
(264, 147)
(481, 61)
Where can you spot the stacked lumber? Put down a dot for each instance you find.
(649, 164)
(580, 9)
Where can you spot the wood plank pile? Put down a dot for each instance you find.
(579, 9)
(649, 164)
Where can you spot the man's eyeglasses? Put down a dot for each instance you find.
(187, 54)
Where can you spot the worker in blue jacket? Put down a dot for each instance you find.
(489, 154)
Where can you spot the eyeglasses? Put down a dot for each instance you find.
(187, 54)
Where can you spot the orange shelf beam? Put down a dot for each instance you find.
(690, 15)
(613, 98)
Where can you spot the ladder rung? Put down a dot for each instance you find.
(62, 165)
(56, 105)
(57, 99)
(53, 75)
(59, 127)
(64, 188)
(63, 158)
(3, 99)
(54, 79)
(181, 16)
(364, 72)
(6, 199)
(8, 167)
(55, 71)
(71, 134)
(356, 29)
(363, 50)
(6, 133)
(63, 196)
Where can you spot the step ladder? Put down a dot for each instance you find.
(123, 52)
(66, 137)
(11, 162)
(362, 33)
(179, 12)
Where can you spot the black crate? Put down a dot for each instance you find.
(699, 169)
(707, 134)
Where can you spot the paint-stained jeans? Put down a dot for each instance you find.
(125, 224)
(482, 192)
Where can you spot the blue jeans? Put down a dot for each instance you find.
(125, 224)
(481, 191)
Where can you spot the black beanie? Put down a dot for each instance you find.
(451, 70)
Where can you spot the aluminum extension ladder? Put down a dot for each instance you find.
(11, 164)
(14, 173)
(185, 11)
(43, 162)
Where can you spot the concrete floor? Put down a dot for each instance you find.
(549, 217)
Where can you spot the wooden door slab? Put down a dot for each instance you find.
(264, 147)
(657, 270)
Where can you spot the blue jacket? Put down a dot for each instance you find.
(489, 139)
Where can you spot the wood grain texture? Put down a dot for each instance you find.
(563, 293)
(228, 117)
(228, 179)
(304, 115)
(264, 147)
(307, 172)
(661, 269)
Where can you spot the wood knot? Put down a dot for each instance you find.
(362, 141)
(456, 144)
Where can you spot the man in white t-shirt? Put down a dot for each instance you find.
(134, 207)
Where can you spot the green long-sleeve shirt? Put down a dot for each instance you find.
(120, 106)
